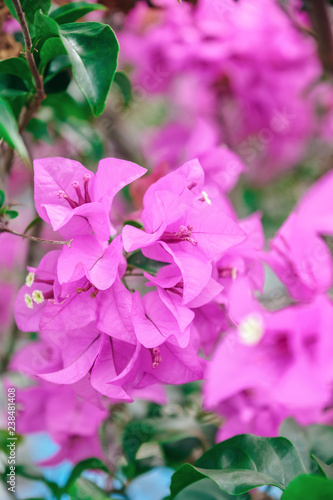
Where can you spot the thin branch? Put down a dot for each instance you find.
(319, 15)
(38, 79)
(4, 229)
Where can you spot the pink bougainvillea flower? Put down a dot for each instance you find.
(91, 258)
(74, 200)
(43, 304)
(182, 227)
(289, 350)
(301, 259)
(244, 259)
(71, 421)
(34, 295)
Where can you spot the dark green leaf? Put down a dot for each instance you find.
(73, 11)
(45, 28)
(58, 75)
(83, 489)
(89, 464)
(9, 131)
(242, 463)
(65, 106)
(326, 469)
(2, 199)
(18, 67)
(51, 48)
(309, 488)
(124, 85)
(12, 214)
(316, 439)
(134, 435)
(133, 223)
(206, 489)
(38, 129)
(139, 261)
(93, 50)
(11, 8)
(16, 99)
(30, 7)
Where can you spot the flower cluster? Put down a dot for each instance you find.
(229, 73)
(98, 325)
(276, 362)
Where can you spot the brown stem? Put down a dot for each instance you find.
(38, 79)
(319, 15)
(34, 238)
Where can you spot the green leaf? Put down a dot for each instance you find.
(12, 214)
(134, 435)
(51, 48)
(316, 439)
(139, 261)
(58, 75)
(11, 8)
(32, 224)
(206, 489)
(124, 85)
(30, 7)
(38, 129)
(4, 439)
(45, 28)
(65, 107)
(93, 51)
(73, 11)
(309, 487)
(133, 223)
(16, 99)
(242, 463)
(9, 131)
(18, 67)
(83, 489)
(2, 199)
(327, 470)
(88, 464)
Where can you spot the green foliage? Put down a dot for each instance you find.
(312, 440)
(312, 487)
(2, 198)
(71, 12)
(139, 261)
(83, 489)
(38, 129)
(89, 464)
(93, 50)
(242, 463)
(9, 130)
(18, 67)
(206, 489)
(124, 85)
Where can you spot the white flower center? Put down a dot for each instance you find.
(30, 279)
(38, 297)
(251, 329)
(28, 301)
